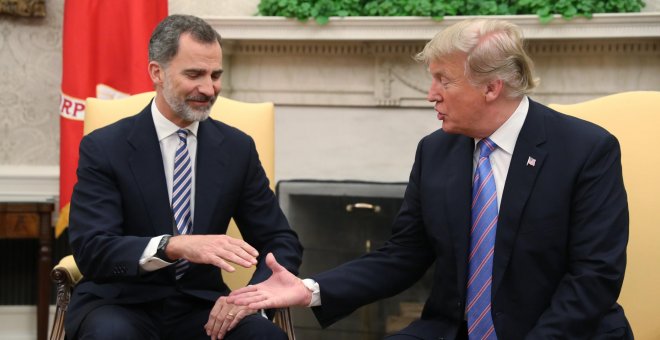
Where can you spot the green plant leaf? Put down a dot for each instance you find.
(322, 10)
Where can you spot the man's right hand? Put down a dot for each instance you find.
(281, 289)
(216, 250)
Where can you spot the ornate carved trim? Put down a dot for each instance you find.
(536, 47)
(609, 47)
(610, 25)
(342, 48)
(24, 8)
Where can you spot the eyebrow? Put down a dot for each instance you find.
(201, 70)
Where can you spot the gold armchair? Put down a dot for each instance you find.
(257, 120)
(634, 118)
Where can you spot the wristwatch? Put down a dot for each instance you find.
(162, 245)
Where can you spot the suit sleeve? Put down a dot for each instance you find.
(597, 249)
(401, 262)
(262, 223)
(99, 245)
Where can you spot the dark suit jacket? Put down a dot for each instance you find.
(560, 249)
(120, 202)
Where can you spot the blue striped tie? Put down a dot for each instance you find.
(181, 193)
(482, 245)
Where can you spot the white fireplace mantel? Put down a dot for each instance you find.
(609, 25)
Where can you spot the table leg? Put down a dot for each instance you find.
(44, 265)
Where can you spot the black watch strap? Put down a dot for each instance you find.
(162, 245)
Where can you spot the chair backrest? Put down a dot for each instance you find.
(634, 118)
(255, 119)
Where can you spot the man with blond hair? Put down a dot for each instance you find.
(521, 209)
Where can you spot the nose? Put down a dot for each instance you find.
(209, 87)
(434, 94)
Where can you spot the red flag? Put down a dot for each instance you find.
(105, 55)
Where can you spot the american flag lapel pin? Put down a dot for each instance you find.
(531, 161)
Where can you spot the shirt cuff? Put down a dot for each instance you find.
(313, 287)
(148, 261)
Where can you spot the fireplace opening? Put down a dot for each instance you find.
(338, 221)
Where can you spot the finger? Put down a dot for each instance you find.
(216, 316)
(229, 318)
(213, 316)
(220, 263)
(239, 316)
(272, 263)
(243, 290)
(217, 326)
(238, 256)
(246, 247)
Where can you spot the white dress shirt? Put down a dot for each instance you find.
(169, 141)
(505, 138)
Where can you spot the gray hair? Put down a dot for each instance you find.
(494, 48)
(164, 41)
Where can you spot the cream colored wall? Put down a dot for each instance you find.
(215, 7)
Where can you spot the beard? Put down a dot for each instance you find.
(181, 107)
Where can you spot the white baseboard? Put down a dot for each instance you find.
(20, 322)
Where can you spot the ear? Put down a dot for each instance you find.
(156, 73)
(494, 89)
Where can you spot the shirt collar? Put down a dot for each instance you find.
(164, 127)
(505, 136)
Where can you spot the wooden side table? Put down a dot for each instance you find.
(33, 220)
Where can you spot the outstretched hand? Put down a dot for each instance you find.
(281, 289)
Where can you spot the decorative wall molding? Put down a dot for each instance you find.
(385, 74)
(29, 183)
(610, 25)
(619, 47)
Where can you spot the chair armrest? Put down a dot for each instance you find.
(283, 319)
(65, 275)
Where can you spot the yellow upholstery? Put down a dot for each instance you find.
(634, 118)
(255, 119)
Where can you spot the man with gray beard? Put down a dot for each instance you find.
(154, 198)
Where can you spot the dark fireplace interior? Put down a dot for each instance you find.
(340, 221)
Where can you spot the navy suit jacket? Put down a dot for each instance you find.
(560, 249)
(120, 202)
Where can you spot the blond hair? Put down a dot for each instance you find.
(494, 48)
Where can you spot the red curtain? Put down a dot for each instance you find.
(104, 55)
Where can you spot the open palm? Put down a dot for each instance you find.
(281, 289)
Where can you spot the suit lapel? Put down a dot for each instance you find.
(209, 177)
(519, 184)
(146, 163)
(458, 200)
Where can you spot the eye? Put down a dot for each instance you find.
(445, 81)
(216, 75)
(192, 74)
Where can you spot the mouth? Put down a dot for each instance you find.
(200, 101)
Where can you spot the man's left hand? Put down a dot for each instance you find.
(224, 317)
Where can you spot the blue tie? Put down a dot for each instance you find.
(181, 193)
(482, 245)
